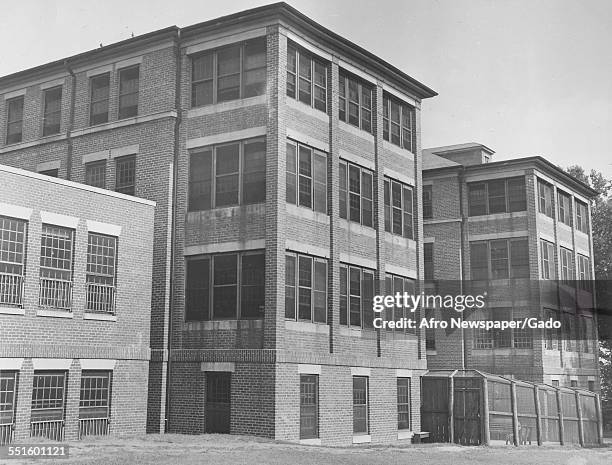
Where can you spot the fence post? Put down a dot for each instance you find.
(599, 419)
(451, 408)
(561, 426)
(515, 422)
(580, 425)
(538, 412)
(485, 411)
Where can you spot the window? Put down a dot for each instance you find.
(52, 112)
(355, 102)
(497, 196)
(306, 78)
(427, 202)
(94, 403)
(547, 260)
(48, 404)
(398, 209)
(101, 272)
(356, 194)
(95, 174)
(398, 285)
(521, 337)
(8, 399)
(565, 212)
(545, 197)
(555, 382)
(568, 330)
(56, 267)
(430, 333)
(360, 405)
(125, 176)
(356, 296)
(54, 173)
(582, 217)
(584, 273)
(128, 91)
(239, 175)
(428, 260)
(14, 120)
(399, 123)
(306, 177)
(403, 403)
(499, 259)
(567, 264)
(574, 383)
(309, 406)
(502, 339)
(229, 73)
(591, 385)
(551, 335)
(305, 288)
(13, 233)
(225, 286)
(483, 339)
(99, 96)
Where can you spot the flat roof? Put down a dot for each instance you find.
(458, 148)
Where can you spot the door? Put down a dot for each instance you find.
(218, 395)
(434, 408)
(309, 425)
(466, 412)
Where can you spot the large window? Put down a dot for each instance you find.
(427, 202)
(94, 403)
(545, 198)
(306, 78)
(565, 210)
(356, 194)
(360, 405)
(8, 400)
(52, 112)
(567, 264)
(399, 125)
(56, 267)
(306, 177)
(48, 404)
(128, 91)
(227, 175)
(13, 233)
(518, 338)
(125, 175)
(99, 97)
(305, 288)
(355, 102)
(403, 403)
(395, 285)
(398, 209)
(356, 296)
(309, 406)
(225, 286)
(101, 273)
(547, 260)
(229, 73)
(428, 260)
(497, 196)
(499, 259)
(95, 174)
(14, 120)
(582, 217)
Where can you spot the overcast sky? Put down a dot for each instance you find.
(528, 77)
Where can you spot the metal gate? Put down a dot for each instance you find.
(218, 395)
(466, 412)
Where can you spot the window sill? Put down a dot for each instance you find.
(545, 218)
(405, 434)
(311, 111)
(12, 311)
(352, 331)
(227, 106)
(215, 325)
(307, 327)
(498, 216)
(362, 439)
(431, 352)
(400, 241)
(122, 123)
(99, 316)
(307, 214)
(397, 149)
(356, 131)
(357, 228)
(55, 313)
(311, 442)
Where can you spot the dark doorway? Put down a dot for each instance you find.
(434, 408)
(466, 412)
(218, 395)
(309, 399)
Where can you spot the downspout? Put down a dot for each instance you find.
(70, 122)
(177, 125)
(462, 264)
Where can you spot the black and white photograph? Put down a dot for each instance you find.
(306, 232)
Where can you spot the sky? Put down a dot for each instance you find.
(523, 77)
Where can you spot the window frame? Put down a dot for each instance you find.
(57, 274)
(306, 378)
(545, 195)
(317, 198)
(15, 137)
(427, 198)
(48, 130)
(89, 174)
(366, 312)
(394, 313)
(566, 260)
(126, 94)
(564, 211)
(43, 402)
(13, 235)
(390, 208)
(388, 101)
(548, 265)
(8, 408)
(404, 405)
(345, 101)
(346, 193)
(428, 261)
(314, 287)
(128, 188)
(100, 402)
(508, 258)
(485, 205)
(365, 406)
(298, 53)
(582, 216)
(93, 121)
(96, 279)
(510, 338)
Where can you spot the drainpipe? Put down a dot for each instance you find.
(70, 121)
(462, 264)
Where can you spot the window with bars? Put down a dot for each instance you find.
(545, 198)
(48, 396)
(399, 125)
(8, 399)
(14, 120)
(567, 264)
(95, 174)
(399, 285)
(305, 288)
(13, 234)
(499, 259)
(227, 175)
(547, 260)
(52, 112)
(229, 73)
(497, 196)
(427, 202)
(125, 175)
(356, 296)
(428, 260)
(360, 405)
(403, 403)
(355, 102)
(356, 194)
(306, 78)
(398, 209)
(101, 273)
(483, 339)
(565, 210)
(522, 337)
(582, 217)
(129, 80)
(56, 267)
(225, 287)
(306, 177)
(309, 406)
(99, 98)
(95, 394)
(502, 339)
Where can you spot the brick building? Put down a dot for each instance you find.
(523, 227)
(74, 308)
(285, 164)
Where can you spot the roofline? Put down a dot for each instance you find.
(281, 9)
(75, 185)
(457, 148)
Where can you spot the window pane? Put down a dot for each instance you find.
(320, 291)
(305, 288)
(225, 286)
(355, 297)
(477, 199)
(228, 74)
(354, 197)
(290, 297)
(95, 174)
(128, 91)
(360, 404)
(252, 298)
(367, 213)
(320, 182)
(226, 183)
(408, 219)
(197, 292)
(479, 260)
(517, 194)
(497, 196)
(305, 176)
(254, 176)
(519, 259)
(343, 190)
(125, 181)
(343, 295)
(291, 188)
(99, 93)
(200, 180)
(499, 259)
(53, 111)
(255, 67)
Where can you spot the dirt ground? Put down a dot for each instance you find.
(237, 450)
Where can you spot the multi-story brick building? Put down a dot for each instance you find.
(285, 164)
(75, 275)
(522, 227)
